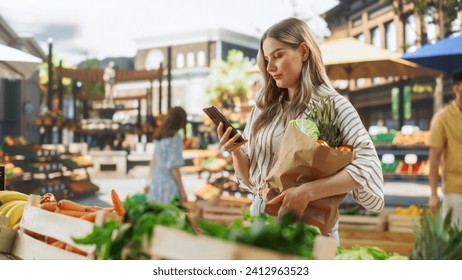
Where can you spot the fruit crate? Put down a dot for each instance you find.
(39, 227)
(174, 244)
(222, 211)
(399, 242)
(364, 222)
(377, 223)
(402, 223)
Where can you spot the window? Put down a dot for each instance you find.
(361, 37)
(190, 59)
(410, 36)
(390, 36)
(180, 61)
(154, 59)
(201, 58)
(376, 37)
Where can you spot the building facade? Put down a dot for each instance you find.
(19, 99)
(377, 22)
(186, 58)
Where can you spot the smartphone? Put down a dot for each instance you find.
(216, 116)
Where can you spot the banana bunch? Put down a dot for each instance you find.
(12, 205)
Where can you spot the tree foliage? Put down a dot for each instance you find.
(229, 81)
(422, 8)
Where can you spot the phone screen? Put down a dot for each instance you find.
(216, 116)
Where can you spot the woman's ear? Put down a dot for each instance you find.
(304, 51)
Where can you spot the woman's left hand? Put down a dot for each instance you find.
(291, 200)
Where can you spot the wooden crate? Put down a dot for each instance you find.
(402, 243)
(220, 211)
(7, 236)
(173, 244)
(402, 223)
(360, 222)
(37, 225)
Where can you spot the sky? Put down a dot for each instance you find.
(86, 29)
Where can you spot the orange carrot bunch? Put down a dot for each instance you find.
(77, 210)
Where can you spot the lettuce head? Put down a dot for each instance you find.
(306, 126)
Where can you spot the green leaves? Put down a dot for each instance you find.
(308, 127)
(116, 240)
(437, 238)
(229, 79)
(325, 116)
(282, 234)
(366, 253)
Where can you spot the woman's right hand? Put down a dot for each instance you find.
(229, 144)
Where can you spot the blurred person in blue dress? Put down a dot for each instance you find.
(164, 179)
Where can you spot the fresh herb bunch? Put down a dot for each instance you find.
(282, 234)
(437, 238)
(325, 116)
(116, 240)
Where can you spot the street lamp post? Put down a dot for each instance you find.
(48, 136)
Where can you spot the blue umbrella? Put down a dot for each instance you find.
(445, 55)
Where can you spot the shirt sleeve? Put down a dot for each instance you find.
(438, 136)
(175, 158)
(365, 168)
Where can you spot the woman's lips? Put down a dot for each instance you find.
(276, 77)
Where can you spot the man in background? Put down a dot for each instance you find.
(446, 147)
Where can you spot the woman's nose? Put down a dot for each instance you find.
(270, 66)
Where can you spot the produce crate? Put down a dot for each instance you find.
(173, 244)
(37, 227)
(374, 223)
(402, 223)
(399, 242)
(7, 236)
(220, 211)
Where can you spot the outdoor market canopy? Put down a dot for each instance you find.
(16, 64)
(348, 58)
(445, 55)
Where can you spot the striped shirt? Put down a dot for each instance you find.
(365, 169)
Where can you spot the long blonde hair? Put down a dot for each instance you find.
(293, 32)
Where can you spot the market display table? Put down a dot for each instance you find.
(197, 156)
(400, 242)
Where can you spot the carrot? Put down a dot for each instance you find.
(59, 244)
(89, 216)
(49, 206)
(34, 235)
(65, 204)
(93, 208)
(72, 213)
(117, 203)
(50, 240)
(75, 250)
(109, 210)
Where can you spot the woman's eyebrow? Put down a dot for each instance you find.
(278, 49)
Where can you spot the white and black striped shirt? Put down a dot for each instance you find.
(365, 169)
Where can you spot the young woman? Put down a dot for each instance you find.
(164, 182)
(293, 74)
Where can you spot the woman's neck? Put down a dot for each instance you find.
(290, 95)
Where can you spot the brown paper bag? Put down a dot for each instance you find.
(300, 160)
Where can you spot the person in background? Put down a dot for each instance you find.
(164, 179)
(446, 147)
(293, 74)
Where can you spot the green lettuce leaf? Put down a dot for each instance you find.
(306, 126)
